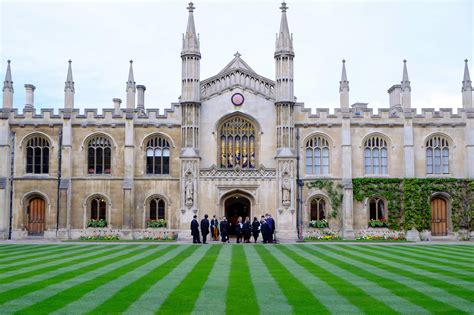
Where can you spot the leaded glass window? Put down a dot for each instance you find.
(157, 156)
(157, 209)
(376, 156)
(99, 156)
(98, 208)
(437, 155)
(237, 143)
(318, 207)
(37, 155)
(377, 209)
(317, 156)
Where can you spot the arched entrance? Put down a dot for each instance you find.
(439, 215)
(35, 216)
(234, 207)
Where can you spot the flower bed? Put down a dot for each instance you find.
(321, 235)
(97, 223)
(156, 223)
(97, 234)
(320, 224)
(378, 223)
(157, 235)
(380, 234)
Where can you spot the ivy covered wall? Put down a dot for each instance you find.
(408, 200)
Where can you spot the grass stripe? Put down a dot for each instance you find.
(399, 297)
(46, 273)
(75, 292)
(99, 295)
(182, 299)
(266, 288)
(6, 249)
(16, 298)
(297, 294)
(424, 262)
(428, 255)
(241, 297)
(459, 249)
(14, 273)
(43, 259)
(441, 254)
(460, 288)
(365, 302)
(134, 290)
(43, 253)
(25, 252)
(444, 299)
(328, 296)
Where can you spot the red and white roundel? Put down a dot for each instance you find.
(237, 99)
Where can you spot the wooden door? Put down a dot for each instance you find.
(439, 222)
(35, 214)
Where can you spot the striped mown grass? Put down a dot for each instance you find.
(236, 279)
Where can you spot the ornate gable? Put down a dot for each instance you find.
(237, 73)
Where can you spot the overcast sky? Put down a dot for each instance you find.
(373, 36)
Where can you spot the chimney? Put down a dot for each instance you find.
(30, 96)
(395, 95)
(141, 97)
(117, 103)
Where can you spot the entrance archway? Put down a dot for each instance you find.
(236, 206)
(439, 217)
(35, 213)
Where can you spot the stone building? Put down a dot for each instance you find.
(236, 143)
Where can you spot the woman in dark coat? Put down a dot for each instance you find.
(247, 230)
(255, 229)
(238, 229)
(224, 225)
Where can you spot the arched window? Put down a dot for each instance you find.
(318, 208)
(237, 143)
(157, 156)
(376, 209)
(99, 156)
(98, 208)
(376, 156)
(157, 209)
(37, 155)
(317, 156)
(437, 155)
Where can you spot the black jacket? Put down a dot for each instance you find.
(224, 226)
(204, 226)
(194, 227)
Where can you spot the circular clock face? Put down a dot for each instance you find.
(237, 99)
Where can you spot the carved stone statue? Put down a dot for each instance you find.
(286, 191)
(189, 191)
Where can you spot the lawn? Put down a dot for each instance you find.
(236, 279)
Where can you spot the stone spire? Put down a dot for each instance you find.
(8, 88)
(69, 88)
(343, 84)
(131, 88)
(284, 41)
(406, 88)
(405, 81)
(466, 88)
(190, 39)
(344, 88)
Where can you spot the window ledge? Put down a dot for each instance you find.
(312, 176)
(438, 175)
(378, 175)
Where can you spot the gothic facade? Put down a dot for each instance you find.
(236, 143)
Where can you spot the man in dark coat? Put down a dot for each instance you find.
(204, 228)
(195, 230)
(264, 228)
(224, 225)
(271, 227)
(215, 228)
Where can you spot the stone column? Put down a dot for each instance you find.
(408, 145)
(128, 183)
(30, 96)
(5, 160)
(469, 138)
(347, 211)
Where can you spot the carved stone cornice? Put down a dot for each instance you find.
(220, 173)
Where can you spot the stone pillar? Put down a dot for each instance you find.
(394, 93)
(189, 199)
(408, 145)
(287, 191)
(5, 160)
(141, 97)
(128, 183)
(469, 138)
(30, 96)
(347, 211)
(65, 214)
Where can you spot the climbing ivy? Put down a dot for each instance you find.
(409, 199)
(333, 190)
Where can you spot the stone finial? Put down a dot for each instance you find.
(237, 55)
(190, 39)
(283, 7)
(343, 84)
(69, 84)
(131, 80)
(284, 42)
(405, 84)
(466, 82)
(191, 7)
(8, 83)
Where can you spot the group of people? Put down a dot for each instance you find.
(244, 229)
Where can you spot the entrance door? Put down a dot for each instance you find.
(35, 214)
(236, 206)
(439, 225)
